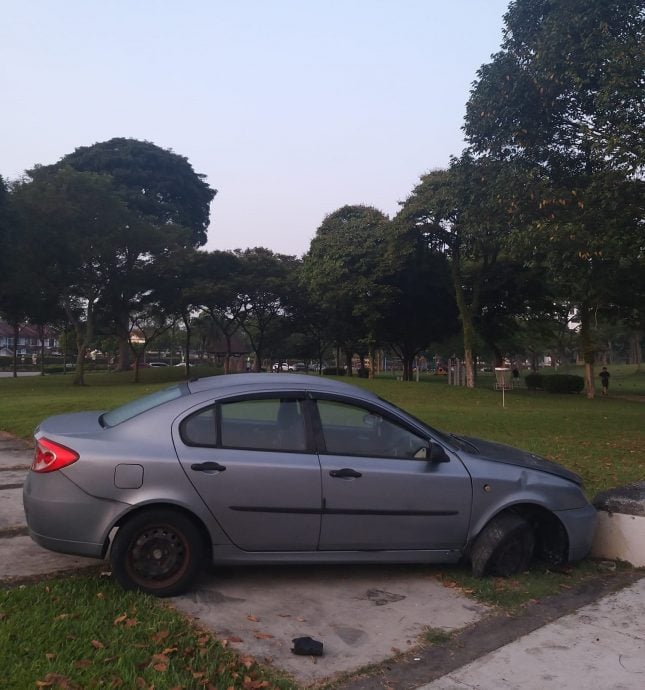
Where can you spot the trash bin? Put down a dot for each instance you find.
(503, 379)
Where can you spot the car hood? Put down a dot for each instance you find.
(71, 424)
(499, 452)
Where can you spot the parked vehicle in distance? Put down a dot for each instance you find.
(283, 366)
(289, 468)
(157, 364)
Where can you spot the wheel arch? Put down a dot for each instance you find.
(551, 536)
(172, 507)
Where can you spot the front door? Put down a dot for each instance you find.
(379, 490)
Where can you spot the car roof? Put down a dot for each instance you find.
(230, 384)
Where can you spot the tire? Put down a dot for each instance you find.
(158, 552)
(504, 547)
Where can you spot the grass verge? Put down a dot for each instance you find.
(510, 594)
(86, 632)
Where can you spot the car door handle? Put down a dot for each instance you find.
(207, 467)
(345, 473)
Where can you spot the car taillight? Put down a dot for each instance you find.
(50, 456)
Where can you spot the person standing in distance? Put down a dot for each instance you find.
(604, 379)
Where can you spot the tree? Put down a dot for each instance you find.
(218, 289)
(171, 205)
(157, 184)
(342, 270)
(468, 212)
(15, 270)
(422, 306)
(565, 97)
(79, 218)
(176, 291)
(262, 294)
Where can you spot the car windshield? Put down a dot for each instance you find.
(135, 407)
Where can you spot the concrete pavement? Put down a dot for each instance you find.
(599, 647)
(376, 616)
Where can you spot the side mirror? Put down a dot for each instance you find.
(437, 453)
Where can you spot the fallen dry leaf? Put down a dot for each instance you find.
(160, 636)
(97, 645)
(263, 636)
(253, 619)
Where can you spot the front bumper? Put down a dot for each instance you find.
(580, 524)
(62, 517)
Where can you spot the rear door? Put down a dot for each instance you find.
(251, 460)
(379, 490)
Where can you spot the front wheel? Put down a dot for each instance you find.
(504, 547)
(158, 552)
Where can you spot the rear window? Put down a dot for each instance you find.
(121, 414)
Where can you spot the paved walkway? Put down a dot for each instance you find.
(599, 647)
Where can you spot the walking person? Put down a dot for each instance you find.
(604, 379)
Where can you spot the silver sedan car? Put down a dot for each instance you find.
(286, 468)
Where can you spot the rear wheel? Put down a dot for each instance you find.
(504, 547)
(158, 551)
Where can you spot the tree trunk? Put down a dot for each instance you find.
(16, 337)
(467, 325)
(636, 351)
(348, 363)
(187, 343)
(41, 335)
(588, 351)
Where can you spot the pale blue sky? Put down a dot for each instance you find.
(291, 108)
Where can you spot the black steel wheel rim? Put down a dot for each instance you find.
(158, 556)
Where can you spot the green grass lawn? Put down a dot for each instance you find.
(86, 632)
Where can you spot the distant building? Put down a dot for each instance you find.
(28, 340)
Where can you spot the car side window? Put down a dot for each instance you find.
(263, 424)
(351, 430)
(199, 429)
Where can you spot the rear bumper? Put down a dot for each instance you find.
(62, 517)
(580, 524)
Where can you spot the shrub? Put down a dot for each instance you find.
(363, 373)
(563, 383)
(534, 381)
(333, 371)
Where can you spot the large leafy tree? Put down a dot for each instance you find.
(343, 270)
(263, 289)
(421, 309)
(218, 289)
(73, 221)
(171, 205)
(468, 212)
(565, 96)
(15, 269)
